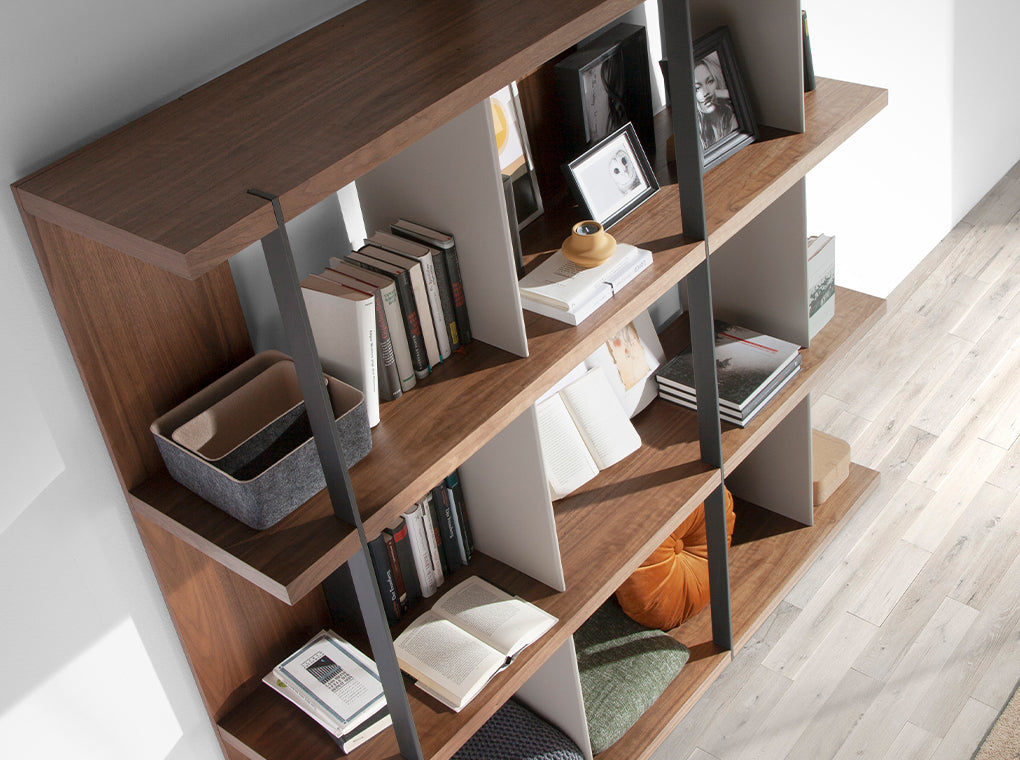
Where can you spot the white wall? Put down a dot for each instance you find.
(897, 187)
(90, 659)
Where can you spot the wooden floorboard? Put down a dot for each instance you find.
(902, 640)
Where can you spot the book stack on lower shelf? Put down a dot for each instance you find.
(751, 369)
(337, 686)
(414, 555)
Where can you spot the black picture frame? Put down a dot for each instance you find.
(725, 120)
(604, 84)
(613, 178)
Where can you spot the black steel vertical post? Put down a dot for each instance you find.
(287, 288)
(678, 41)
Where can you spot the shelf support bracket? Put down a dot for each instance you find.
(298, 331)
(678, 42)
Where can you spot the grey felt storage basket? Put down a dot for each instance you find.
(271, 473)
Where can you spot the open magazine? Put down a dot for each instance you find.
(471, 633)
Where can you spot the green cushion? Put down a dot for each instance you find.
(516, 733)
(624, 668)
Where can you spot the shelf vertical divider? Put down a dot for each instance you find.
(678, 43)
(287, 289)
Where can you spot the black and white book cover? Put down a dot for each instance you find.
(746, 362)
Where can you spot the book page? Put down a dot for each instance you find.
(568, 463)
(452, 662)
(601, 420)
(505, 622)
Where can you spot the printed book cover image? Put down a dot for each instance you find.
(746, 361)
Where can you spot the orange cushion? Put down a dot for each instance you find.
(672, 584)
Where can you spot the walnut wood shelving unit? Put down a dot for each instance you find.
(133, 233)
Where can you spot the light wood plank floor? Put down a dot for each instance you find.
(902, 641)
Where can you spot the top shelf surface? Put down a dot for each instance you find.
(300, 121)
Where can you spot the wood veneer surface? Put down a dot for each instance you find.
(299, 121)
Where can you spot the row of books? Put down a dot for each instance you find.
(562, 290)
(384, 316)
(413, 556)
(336, 685)
(751, 369)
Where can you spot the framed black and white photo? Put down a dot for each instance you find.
(603, 85)
(613, 178)
(725, 120)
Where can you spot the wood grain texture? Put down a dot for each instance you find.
(299, 121)
(143, 339)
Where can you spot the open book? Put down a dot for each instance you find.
(583, 428)
(471, 633)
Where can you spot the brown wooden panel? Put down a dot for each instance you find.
(142, 338)
(232, 632)
(300, 121)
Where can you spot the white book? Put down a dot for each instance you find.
(421, 296)
(582, 429)
(334, 683)
(428, 516)
(423, 254)
(560, 283)
(394, 319)
(598, 294)
(420, 552)
(343, 327)
(471, 633)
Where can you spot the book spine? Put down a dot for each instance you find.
(398, 337)
(431, 525)
(384, 576)
(452, 260)
(386, 362)
(428, 273)
(446, 299)
(420, 550)
(447, 528)
(457, 493)
(409, 314)
(398, 573)
(403, 545)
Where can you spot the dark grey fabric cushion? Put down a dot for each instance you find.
(516, 733)
(624, 668)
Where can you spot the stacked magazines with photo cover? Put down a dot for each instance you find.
(751, 369)
(337, 686)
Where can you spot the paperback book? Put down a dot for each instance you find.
(337, 686)
(471, 633)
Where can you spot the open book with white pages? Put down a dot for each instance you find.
(471, 633)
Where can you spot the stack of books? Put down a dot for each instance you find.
(751, 369)
(414, 555)
(560, 289)
(336, 685)
(385, 315)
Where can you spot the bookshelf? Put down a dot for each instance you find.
(133, 235)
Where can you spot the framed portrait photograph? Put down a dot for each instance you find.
(725, 120)
(613, 178)
(605, 84)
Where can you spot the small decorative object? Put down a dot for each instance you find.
(605, 84)
(613, 178)
(725, 121)
(589, 244)
(821, 270)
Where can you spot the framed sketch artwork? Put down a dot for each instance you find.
(613, 178)
(725, 121)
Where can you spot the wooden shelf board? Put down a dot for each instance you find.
(770, 553)
(743, 185)
(421, 438)
(300, 121)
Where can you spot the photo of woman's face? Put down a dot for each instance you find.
(705, 87)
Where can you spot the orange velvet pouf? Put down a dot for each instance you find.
(672, 584)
